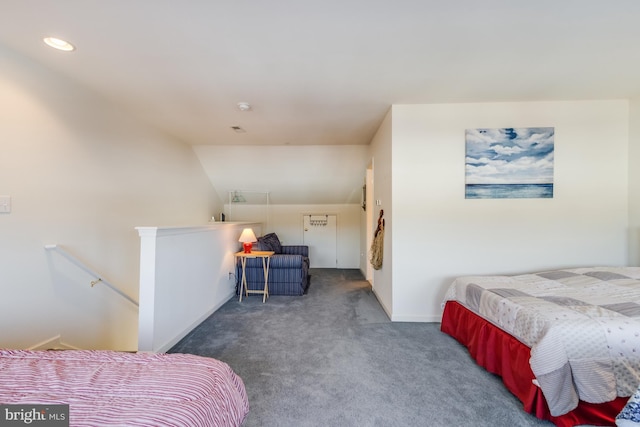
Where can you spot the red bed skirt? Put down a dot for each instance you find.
(503, 355)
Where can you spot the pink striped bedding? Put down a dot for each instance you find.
(107, 388)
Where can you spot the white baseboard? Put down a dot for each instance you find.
(417, 319)
(54, 343)
(420, 319)
(384, 307)
(166, 346)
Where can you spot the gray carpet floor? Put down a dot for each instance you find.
(333, 358)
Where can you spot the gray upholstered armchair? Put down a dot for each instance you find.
(288, 270)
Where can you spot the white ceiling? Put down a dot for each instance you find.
(322, 72)
(326, 72)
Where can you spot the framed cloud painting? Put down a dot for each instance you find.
(509, 163)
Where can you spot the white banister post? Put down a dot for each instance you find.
(146, 313)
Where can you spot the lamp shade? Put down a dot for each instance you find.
(247, 236)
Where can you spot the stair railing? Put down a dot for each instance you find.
(83, 266)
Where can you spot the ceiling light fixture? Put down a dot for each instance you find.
(244, 106)
(59, 44)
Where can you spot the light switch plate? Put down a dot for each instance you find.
(5, 204)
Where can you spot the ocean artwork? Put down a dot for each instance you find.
(509, 163)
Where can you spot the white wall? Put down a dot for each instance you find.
(327, 174)
(82, 175)
(438, 235)
(367, 227)
(383, 182)
(286, 222)
(184, 278)
(634, 182)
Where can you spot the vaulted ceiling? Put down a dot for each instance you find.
(324, 72)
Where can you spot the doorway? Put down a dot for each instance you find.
(320, 234)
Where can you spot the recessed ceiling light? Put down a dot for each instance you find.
(244, 106)
(59, 44)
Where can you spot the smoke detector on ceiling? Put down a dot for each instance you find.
(244, 106)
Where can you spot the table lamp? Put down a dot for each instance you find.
(247, 238)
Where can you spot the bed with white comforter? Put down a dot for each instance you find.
(582, 325)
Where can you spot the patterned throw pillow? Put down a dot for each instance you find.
(270, 242)
(630, 415)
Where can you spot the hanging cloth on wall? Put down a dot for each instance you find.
(378, 244)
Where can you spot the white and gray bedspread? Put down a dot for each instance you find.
(582, 325)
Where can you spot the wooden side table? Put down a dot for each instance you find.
(266, 258)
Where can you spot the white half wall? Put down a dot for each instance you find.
(438, 235)
(184, 278)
